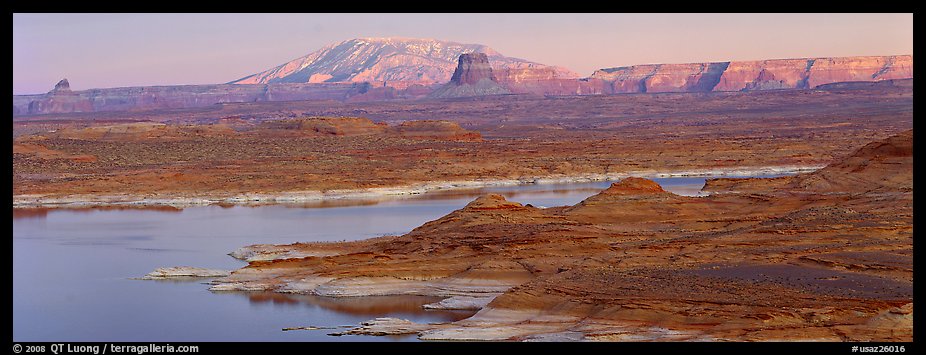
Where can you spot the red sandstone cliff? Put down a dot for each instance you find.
(805, 73)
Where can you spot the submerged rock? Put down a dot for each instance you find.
(183, 272)
(387, 326)
(462, 303)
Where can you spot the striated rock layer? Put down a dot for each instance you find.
(61, 100)
(805, 73)
(789, 260)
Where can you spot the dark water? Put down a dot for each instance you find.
(72, 268)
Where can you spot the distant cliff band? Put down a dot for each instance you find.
(531, 78)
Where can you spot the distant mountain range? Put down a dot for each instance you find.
(377, 69)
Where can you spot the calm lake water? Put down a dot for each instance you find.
(72, 269)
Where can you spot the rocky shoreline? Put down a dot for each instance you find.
(379, 193)
(820, 256)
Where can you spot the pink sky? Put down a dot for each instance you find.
(113, 50)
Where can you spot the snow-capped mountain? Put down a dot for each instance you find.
(395, 62)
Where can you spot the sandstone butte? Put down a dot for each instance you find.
(825, 255)
(473, 77)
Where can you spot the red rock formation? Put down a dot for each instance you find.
(335, 126)
(626, 79)
(491, 202)
(882, 166)
(59, 99)
(561, 87)
(346, 126)
(517, 75)
(831, 70)
(411, 69)
(181, 96)
(755, 75)
(693, 77)
(633, 263)
(633, 186)
(548, 81)
(472, 68)
(879, 166)
(62, 86)
(434, 129)
(766, 74)
(358, 126)
(472, 77)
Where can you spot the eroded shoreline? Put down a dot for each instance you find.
(824, 256)
(379, 193)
